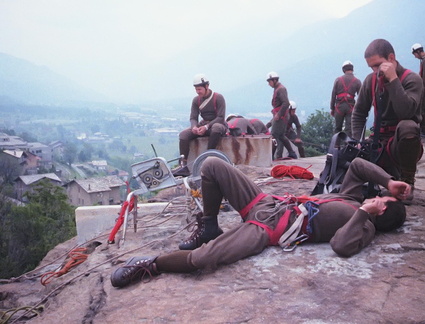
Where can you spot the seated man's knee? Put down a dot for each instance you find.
(408, 129)
(185, 134)
(209, 164)
(218, 128)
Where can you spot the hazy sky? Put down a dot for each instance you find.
(112, 45)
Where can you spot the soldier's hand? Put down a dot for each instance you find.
(399, 189)
(374, 206)
(202, 130)
(388, 70)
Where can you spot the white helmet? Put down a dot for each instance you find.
(416, 47)
(200, 80)
(292, 105)
(272, 75)
(347, 63)
(230, 116)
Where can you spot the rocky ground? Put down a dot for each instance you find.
(385, 283)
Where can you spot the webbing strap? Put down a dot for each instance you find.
(293, 232)
(206, 101)
(344, 95)
(244, 211)
(275, 234)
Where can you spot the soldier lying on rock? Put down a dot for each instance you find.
(343, 219)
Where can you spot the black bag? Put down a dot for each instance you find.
(342, 151)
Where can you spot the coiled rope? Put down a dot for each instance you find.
(293, 171)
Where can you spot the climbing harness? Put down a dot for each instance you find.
(345, 96)
(304, 208)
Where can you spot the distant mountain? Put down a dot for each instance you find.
(24, 82)
(310, 60)
(238, 59)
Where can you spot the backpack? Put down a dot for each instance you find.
(342, 151)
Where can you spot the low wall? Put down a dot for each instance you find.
(249, 149)
(92, 221)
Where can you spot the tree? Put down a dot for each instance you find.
(28, 137)
(317, 132)
(29, 232)
(85, 153)
(70, 153)
(9, 169)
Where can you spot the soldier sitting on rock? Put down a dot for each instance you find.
(344, 219)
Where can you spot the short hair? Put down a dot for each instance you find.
(380, 47)
(393, 217)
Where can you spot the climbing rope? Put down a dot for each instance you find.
(39, 305)
(5, 316)
(76, 256)
(293, 171)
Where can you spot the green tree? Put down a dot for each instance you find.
(69, 153)
(29, 232)
(9, 169)
(118, 145)
(28, 137)
(85, 153)
(317, 132)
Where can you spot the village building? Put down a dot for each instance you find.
(26, 183)
(95, 191)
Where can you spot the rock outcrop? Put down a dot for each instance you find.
(385, 283)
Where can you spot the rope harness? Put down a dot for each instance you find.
(345, 96)
(303, 208)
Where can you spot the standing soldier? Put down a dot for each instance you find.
(294, 136)
(342, 101)
(418, 52)
(280, 104)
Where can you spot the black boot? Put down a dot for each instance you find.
(292, 155)
(135, 269)
(182, 170)
(207, 230)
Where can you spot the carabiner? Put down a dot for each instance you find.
(291, 246)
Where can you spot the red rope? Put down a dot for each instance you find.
(120, 219)
(76, 257)
(294, 171)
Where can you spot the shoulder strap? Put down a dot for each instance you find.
(404, 75)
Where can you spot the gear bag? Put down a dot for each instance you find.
(342, 151)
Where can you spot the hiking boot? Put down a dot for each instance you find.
(135, 269)
(207, 230)
(292, 155)
(182, 171)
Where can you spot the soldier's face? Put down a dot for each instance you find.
(201, 91)
(375, 61)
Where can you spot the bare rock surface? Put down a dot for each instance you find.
(385, 283)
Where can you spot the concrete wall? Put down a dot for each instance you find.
(249, 149)
(95, 220)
